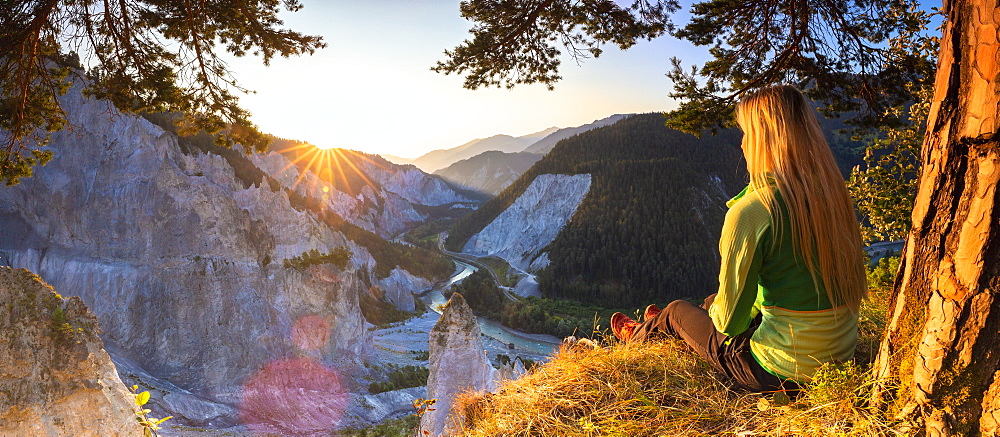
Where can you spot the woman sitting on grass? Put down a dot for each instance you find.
(792, 275)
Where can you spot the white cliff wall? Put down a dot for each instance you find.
(181, 264)
(519, 234)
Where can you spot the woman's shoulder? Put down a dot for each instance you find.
(748, 211)
(747, 202)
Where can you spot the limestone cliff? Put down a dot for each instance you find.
(520, 232)
(181, 260)
(55, 377)
(457, 365)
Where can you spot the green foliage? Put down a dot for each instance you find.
(507, 276)
(645, 232)
(338, 257)
(145, 56)
(149, 424)
(382, 313)
(833, 50)
(513, 42)
(403, 427)
(426, 234)
(481, 293)
(884, 188)
(400, 378)
(60, 326)
(528, 363)
(388, 255)
(558, 317)
(662, 388)
(202, 142)
(874, 315)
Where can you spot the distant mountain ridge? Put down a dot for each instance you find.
(440, 158)
(492, 171)
(546, 144)
(489, 172)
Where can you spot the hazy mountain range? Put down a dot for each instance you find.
(437, 159)
(490, 164)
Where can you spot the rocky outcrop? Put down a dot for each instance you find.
(55, 377)
(520, 232)
(458, 364)
(400, 286)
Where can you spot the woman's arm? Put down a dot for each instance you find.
(742, 249)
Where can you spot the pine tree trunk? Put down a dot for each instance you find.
(943, 342)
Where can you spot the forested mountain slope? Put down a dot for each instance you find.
(648, 228)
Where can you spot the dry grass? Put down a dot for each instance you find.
(663, 389)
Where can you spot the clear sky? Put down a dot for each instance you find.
(372, 89)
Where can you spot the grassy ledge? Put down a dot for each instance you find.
(663, 389)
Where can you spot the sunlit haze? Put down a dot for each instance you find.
(372, 89)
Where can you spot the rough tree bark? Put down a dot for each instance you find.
(943, 342)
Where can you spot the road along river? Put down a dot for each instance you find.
(540, 344)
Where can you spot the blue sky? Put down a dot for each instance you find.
(372, 89)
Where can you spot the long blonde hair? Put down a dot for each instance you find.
(786, 151)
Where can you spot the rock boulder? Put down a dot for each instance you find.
(458, 364)
(55, 377)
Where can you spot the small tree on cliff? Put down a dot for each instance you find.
(142, 55)
(941, 346)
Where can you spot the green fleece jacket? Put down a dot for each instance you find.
(800, 330)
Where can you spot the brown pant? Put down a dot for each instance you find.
(732, 358)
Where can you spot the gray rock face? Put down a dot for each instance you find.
(388, 405)
(457, 365)
(520, 232)
(181, 264)
(399, 288)
(55, 377)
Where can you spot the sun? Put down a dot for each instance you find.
(339, 168)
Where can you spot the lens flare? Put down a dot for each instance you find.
(297, 396)
(311, 332)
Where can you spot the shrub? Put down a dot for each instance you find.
(400, 378)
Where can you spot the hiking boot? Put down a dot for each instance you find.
(623, 326)
(651, 312)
